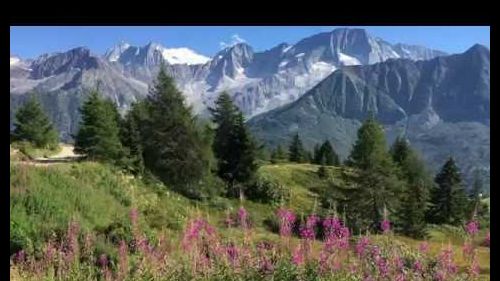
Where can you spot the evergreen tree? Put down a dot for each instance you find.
(130, 135)
(33, 125)
(296, 150)
(317, 155)
(449, 200)
(233, 145)
(327, 155)
(416, 194)
(172, 146)
(278, 155)
(98, 136)
(400, 150)
(308, 157)
(375, 186)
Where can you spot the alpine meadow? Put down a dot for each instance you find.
(338, 157)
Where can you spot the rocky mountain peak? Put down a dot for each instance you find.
(53, 64)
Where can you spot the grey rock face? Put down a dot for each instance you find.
(257, 81)
(442, 105)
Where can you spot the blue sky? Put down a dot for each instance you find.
(30, 42)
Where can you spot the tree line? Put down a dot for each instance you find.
(159, 138)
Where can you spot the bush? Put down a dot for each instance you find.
(322, 172)
(264, 190)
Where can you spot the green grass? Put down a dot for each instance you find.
(44, 199)
(29, 150)
(303, 182)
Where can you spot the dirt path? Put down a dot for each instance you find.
(65, 155)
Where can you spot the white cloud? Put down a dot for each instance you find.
(235, 39)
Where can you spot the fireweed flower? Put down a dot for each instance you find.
(472, 227)
(72, 247)
(362, 245)
(103, 264)
(311, 221)
(418, 267)
(398, 263)
(243, 218)
(298, 256)
(380, 262)
(467, 250)
(20, 257)
(307, 233)
(487, 239)
(385, 225)
(122, 260)
(423, 247)
(286, 220)
(400, 277)
(49, 252)
(445, 260)
(440, 276)
(232, 254)
(474, 267)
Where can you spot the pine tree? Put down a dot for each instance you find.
(449, 200)
(296, 150)
(233, 145)
(130, 135)
(416, 193)
(375, 185)
(98, 136)
(172, 146)
(317, 155)
(328, 155)
(308, 157)
(33, 125)
(278, 155)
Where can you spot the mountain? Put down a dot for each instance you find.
(61, 81)
(260, 81)
(257, 81)
(442, 105)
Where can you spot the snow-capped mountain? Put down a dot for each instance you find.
(14, 60)
(151, 54)
(442, 105)
(257, 80)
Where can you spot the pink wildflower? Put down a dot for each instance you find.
(440, 276)
(362, 245)
(243, 218)
(122, 260)
(487, 239)
(418, 267)
(104, 264)
(400, 277)
(423, 247)
(467, 249)
(472, 227)
(474, 267)
(232, 253)
(298, 256)
(20, 257)
(385, 226)
(286, 220)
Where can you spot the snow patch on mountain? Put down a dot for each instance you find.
(14, 61)
(348, 60)
(183, 56)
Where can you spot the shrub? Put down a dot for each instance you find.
(266, 191)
